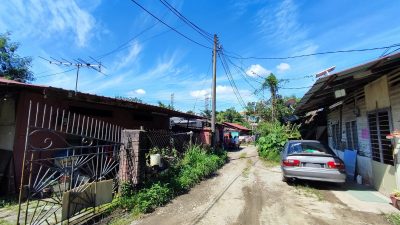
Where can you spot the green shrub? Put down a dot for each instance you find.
(148, 199)
(196, 164)
(273, 137)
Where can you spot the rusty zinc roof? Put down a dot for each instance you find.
(322, 93)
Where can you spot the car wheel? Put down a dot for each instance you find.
(284, 179)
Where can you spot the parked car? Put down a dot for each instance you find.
(311, 160)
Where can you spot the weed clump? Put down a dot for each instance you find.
(196, 164)
(274, 136)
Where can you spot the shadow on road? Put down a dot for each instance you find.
(329, 186)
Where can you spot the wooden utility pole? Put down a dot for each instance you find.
(172, 100)
(214, 92)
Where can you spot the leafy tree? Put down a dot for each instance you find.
(232, 116)
(130, 99)
(206, 113)
(229, 115)
(13, 66)
(271, 83)
(190, 112)
(162, 105)
(250, 109)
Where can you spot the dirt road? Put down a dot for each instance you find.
(246, 191)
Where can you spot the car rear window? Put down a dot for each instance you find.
(308, 148)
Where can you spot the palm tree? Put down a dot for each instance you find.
(271, 83)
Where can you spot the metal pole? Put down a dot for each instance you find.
(76, 81)
(214, 92)
(21, 186)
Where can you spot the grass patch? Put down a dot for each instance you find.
(270, 163)
(246, 170)
(195, 165)
(5, 222)
(309, 191)
(393, 218)
(8, 202)
(124, 219)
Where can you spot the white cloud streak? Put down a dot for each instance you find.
(131, 57)
(223, 93)
(140, 91)
(46, 19)
(282, 67)
(257, 70)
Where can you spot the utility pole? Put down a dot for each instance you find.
(172, 100)
(214, 92)
(78, 64)
(206, 103)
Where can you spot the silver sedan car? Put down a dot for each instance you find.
(311, 160)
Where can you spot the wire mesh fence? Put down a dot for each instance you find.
(168, 141)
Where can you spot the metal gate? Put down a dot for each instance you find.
(70, 166)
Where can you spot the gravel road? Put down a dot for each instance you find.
(246, 191)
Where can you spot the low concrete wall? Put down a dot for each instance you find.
(384, 177)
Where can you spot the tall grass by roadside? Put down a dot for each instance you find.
(393, 218)
(195, 165)
(273, 137)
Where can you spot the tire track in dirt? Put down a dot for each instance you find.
(254, 200)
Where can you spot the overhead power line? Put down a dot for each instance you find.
(314, 54)
(208, 36)
(230, 79)
(127, 43)
(53, 74)
(240, 72)
(172, 28)
(289, 88)
(388, 53)
(205, 75)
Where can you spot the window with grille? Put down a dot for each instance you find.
(379, 127)
(336, 138)
(351, 135)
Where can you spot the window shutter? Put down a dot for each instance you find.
(379, 127)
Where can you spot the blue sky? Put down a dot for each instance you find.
(160, 62)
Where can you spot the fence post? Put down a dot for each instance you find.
(131, 157)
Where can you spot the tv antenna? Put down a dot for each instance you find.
(78, 63)
(325, 72)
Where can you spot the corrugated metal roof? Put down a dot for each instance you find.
(236, 126)
(321, 93)
(96, 98)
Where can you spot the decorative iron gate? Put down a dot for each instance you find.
(70, 166)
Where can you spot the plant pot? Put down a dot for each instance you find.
(155, 160)
(395, 201)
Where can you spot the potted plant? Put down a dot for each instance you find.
(395, 197)
(155, 157)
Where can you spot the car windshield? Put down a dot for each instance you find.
(308, 148)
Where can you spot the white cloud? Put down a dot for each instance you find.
(224, 90)
(131, 57)
(45, 19)
(140, 91)
(221, 90)
(199, 93)
(257, 70)
(281, 23)
(282, 67)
